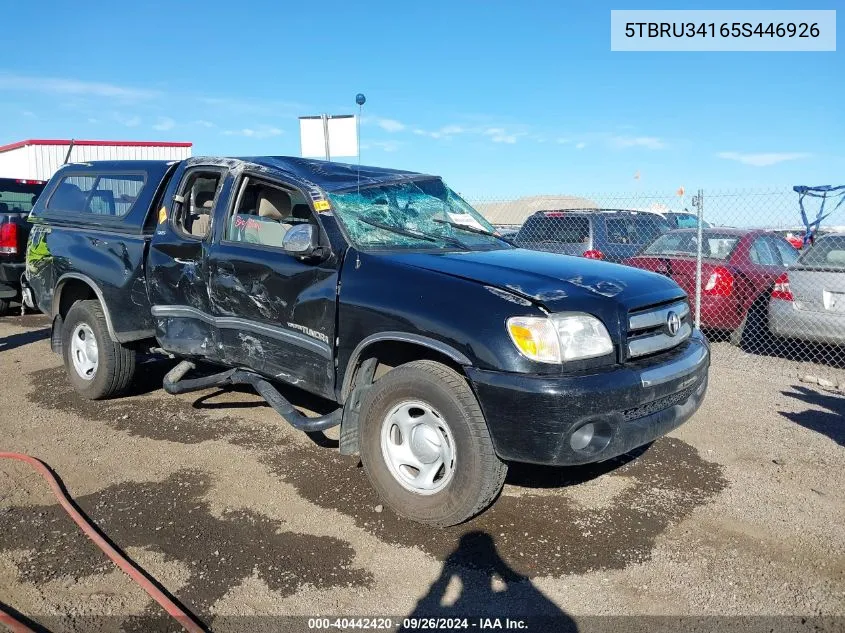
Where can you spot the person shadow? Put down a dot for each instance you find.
(476, 584)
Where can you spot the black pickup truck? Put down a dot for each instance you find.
(17, 197)
(446, 351)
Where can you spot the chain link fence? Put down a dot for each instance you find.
(767, 298)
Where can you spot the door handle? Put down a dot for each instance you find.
(184, 261)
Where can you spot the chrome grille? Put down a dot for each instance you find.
(649, 333)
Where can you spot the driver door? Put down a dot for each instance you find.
(275, 313)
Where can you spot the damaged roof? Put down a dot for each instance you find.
(328, 176)
(331, 176)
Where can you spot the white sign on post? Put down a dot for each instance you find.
(342, 136)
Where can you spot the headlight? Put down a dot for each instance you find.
(560, 337)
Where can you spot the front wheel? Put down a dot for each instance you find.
(425, 445)
(96, 366)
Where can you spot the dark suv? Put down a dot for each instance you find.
(594, 233)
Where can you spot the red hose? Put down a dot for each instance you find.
(135, 573)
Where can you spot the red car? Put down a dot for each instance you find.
(739, 269)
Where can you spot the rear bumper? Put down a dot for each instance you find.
(820, 327)
(720, 313)
(10, 279)
(533, 418)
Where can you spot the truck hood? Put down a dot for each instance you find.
(549, 278)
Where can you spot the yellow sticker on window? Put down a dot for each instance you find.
(322, 205)
(162, 215)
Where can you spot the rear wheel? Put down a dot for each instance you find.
(753, 333)
(425, 445)
(96, 366)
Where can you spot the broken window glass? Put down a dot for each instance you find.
(424, 214)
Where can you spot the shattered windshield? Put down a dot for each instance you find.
(423, 214)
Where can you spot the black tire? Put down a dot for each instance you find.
(478, 474)
(4, 307)
(753, 333)
(115, 362)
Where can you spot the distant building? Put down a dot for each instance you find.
(38, 159)
(517, 210)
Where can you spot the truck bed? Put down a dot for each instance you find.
(99, 250)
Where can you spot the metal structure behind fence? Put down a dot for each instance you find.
(766, 304)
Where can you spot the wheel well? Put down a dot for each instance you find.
(392, 354)
(73, 290)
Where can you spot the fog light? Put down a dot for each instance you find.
(592, 437)
(582, 437)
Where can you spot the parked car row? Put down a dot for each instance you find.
(754, 282)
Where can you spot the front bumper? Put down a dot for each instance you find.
(820, 327)
(533, 418)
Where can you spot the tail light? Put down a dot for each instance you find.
(720, 283)
(593, 254)
(8, 238)
(782, 290)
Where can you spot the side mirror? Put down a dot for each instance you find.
(302, 241)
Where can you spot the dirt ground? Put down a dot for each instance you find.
(741, 511)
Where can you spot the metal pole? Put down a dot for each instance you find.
(698, 202)
(325, 118)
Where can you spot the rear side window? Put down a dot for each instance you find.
(761, 253)
(200, 190)
(562, 228)
(635, 230)
(104, 194)
(788, 253)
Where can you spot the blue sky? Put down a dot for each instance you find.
(500, 98)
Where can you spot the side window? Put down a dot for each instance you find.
(199, 189)
(618, 231)
(788, 253)
(762, 254)
(569, 229)
(106, 194)
(265, 213)
(649, 228)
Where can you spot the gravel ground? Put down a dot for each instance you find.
(740, 512)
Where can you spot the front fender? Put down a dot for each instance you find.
(382, 299)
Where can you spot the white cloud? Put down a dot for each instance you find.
(132, 121)
(53, 85)
(763, 160)
(499, 135)
(257, 133)
(93, 120)
(445, 132)
(385, 146)
(164, 123)
(390, 125)
(204, 123)
(563, 140)
(648, 142)
(581, 145)
(29, 114)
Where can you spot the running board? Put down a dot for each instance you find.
(176, 383)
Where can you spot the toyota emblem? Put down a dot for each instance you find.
(673, 323)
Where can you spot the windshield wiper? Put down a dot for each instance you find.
(472, 229)
(415, 234)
